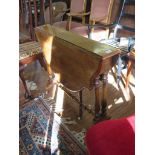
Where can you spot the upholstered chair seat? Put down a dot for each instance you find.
(97, 35)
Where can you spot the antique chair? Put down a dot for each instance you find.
(100, 12)
(121, 29)
(77, 9)
(29, 49)
(29, 52)
(58, 10)
(24, 35)
(112, 137)
(124, 35)
(31, 15)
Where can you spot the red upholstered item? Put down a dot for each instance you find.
(112, 137)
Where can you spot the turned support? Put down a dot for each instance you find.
(129, 68)
(80, 106)
(27, 91)
(104, 79)
(100, 109)
(97, 101)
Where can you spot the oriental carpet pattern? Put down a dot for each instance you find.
(42, 132)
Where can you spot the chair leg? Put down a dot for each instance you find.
(80, 106)
(27, 92)
(129, 68)
(42, 62)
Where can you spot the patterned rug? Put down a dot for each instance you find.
(43, 132)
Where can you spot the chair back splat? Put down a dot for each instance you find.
(101, 11)
(78, 7)
(77, 10)
(32, 15)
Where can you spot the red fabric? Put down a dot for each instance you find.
(112, 137)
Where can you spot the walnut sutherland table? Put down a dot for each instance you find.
(79, 62)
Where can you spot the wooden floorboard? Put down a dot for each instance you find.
(119, 103)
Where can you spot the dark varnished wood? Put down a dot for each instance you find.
(80, 107)
(78, 61)
(23, 64)
(33, 58)
(97, 101)
(21, 75)
(28, 53)
(104, 79)
(32, 15)
(30, 10)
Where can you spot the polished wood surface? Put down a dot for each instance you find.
(73, 51)
(79, 62)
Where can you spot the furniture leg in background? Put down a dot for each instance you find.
(131, 63)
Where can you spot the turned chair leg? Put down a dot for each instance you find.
(42, 62)
(27, 92)
(129, 69)
(23, 63)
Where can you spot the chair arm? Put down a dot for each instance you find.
(78, 14)
(111, 25)
(66, 10)
(62, 11)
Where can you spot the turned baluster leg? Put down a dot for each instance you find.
(130, 65)
(104, 79)
(80, 106)
(97, 101)
(119, 70)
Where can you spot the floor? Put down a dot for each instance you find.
(121, 102)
